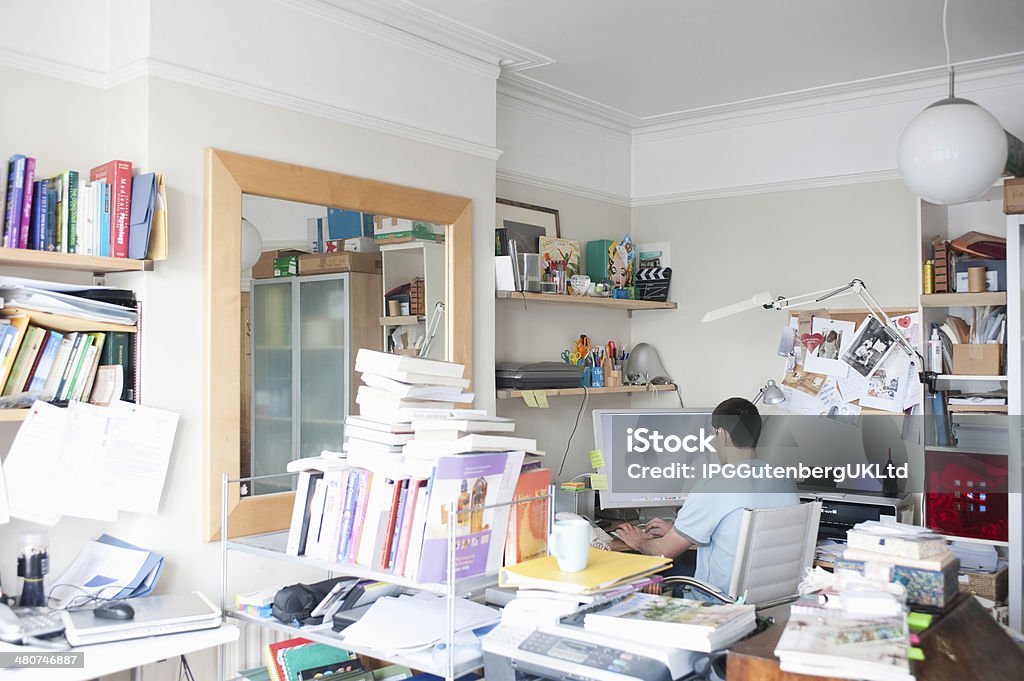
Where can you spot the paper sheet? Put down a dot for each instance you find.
(101, 570)
(139, 441)
(829, 338)
(32, 463)
(82, 488)
(423, 619)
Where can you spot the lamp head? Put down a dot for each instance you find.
(772, 393)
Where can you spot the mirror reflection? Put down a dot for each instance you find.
(317, 284)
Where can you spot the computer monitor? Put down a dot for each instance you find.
(627, 441)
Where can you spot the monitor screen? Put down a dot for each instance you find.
(643, 451)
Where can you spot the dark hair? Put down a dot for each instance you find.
(740, 418)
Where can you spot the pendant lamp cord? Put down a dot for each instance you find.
(945, 39)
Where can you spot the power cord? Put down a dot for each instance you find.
(586, 396)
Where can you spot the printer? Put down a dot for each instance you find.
(841, 511)
(531, 644)
(536, 375)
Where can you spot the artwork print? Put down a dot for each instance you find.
(869, 347)
(622, 262)
(828, 339)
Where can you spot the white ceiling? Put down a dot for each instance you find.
(652, 57)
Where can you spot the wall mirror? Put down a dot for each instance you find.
(299, 317)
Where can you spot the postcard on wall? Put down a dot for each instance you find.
(655, 254)
(828, 340)
(844, 413)
(888, 385)
(805, 381)
(852, 387)
(869, 347)
(908, 326)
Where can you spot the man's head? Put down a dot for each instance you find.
(737, 421)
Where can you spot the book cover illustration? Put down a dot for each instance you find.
(622, 262)
(528, 521)
(668, 610)
(471, 483)
(560, 254)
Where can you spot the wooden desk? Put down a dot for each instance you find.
(964, 643)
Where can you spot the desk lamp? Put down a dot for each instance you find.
(770, 394)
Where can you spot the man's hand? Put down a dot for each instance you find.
(657, 527)
(632, 536)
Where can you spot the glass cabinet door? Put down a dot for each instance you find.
(323, 362)
(273, 342)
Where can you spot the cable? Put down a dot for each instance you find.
(945, 35)
(586, 396)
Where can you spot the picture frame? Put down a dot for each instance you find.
(506, 210)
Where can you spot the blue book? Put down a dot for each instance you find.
(15, 195)
(40, 206)
(104, 200)
(943, 436)
(46, 359)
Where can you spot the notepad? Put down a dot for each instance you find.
(605, 569)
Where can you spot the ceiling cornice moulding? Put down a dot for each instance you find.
(529, 90)
(563, 187)
(766, 188)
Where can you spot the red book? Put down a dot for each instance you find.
(119, 175)
(389, 532)
(527, 535)
(271, 655)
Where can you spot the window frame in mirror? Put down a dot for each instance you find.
(228, 176)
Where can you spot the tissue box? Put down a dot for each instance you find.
(934, 586)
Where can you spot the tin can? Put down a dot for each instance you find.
(928, 277)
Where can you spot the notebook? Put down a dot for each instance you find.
(154, 616)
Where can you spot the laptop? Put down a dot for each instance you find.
(154, 616)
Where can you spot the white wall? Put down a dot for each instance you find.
(787, 243)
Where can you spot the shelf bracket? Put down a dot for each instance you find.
(99, 279)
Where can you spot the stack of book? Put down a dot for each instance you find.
(832, 642)
(68, 214)
(673, 622)
(411, 462)
(296, 658)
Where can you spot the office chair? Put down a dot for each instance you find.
(776, 547)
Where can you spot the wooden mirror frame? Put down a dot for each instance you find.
(230, 175)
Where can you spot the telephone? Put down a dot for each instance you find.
(28, 623)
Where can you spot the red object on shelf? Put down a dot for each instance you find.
(966, 494)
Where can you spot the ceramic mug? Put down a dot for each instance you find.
(569, 543)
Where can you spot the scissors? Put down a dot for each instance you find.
(571, 357)
(582, 346)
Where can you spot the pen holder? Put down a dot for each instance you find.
(585, 377)
(597, 377)
(613, 378)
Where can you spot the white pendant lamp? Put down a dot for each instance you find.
(252, 245)
(954, 150)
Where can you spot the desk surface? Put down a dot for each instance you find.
(109, 658)
(964, 643)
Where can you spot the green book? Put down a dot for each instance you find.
(120, 350)
(300, 658)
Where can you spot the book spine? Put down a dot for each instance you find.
(51, 237)
(43, 339)
(15, 191)
(23, 358)
(59, 364)
(403, 541)
(347, 529)
(47, 358)
(71, 180)
(389, 527)
(40, 204)
(20, 325)
(120, 351)
(359, 516)
(119, 175)
(99, 339)
(396, 540)
(82, 344)
(26, 204)
(104, 218)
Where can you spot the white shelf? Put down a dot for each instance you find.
(965, 450)
(324, 634)
(272, 544)
(964, 377)
(972, 540)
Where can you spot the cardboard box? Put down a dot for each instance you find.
(264, 267)
(977, 360)
(329, 263)
(936, 588)
(1013, 196)
(362, 244)
(287, 266)
(398, 228)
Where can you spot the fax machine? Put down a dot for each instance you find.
(530, 644)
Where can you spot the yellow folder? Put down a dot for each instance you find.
(605, 569)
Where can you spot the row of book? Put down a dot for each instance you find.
(56, 366)
(299, 659)
(408, 468)
(68, 214)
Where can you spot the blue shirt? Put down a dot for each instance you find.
(713, 512)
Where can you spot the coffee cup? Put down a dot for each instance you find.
(569, 543)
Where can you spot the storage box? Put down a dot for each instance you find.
(1013, 196)
(977, 360)
(993, 269)
(328, 263)
(385, 228)
(264, 267)
(991, 585)
(597, 259)
(362, 244)
(287, 266)
(936, 588)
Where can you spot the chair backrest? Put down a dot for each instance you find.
(776, 546)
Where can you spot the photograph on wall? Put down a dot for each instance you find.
(654, 254)
(869, 346)
(559, 254)
(909, 327)
(844, 413)
(622, 262)
(805, 381)
(887, 386)
(828, 340)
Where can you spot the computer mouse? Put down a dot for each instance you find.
(114, 610)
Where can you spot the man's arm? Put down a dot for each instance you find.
(671, 544)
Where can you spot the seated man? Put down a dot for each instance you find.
(711, 516)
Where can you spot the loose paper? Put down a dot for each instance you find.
(530, 398)
(599, 482)
(887, 386)
(139, 441)
(596, 459)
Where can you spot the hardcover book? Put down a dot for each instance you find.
(119, 175)
(528, 521)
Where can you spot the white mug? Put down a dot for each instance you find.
(569, 543)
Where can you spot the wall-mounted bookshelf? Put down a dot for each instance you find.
(561, 392)
(23, 257)
(591, 301)
(963, 299)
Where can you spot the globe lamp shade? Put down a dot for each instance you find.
(952, 152)
(252, 245)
